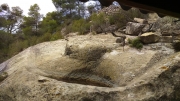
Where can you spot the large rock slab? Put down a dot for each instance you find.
(149, 37)
(90, 68)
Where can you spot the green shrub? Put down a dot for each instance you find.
(98, 21)
(56, 36)
(28, 31)
(44, 37)
(3, 22)
(5, 39)
(3, 54)
(135, 43)
(80, 26)
(130, 41)
(32, 40)
(176, 46)
(17, 47)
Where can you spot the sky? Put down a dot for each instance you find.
(45, 5)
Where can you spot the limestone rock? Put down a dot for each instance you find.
(166, 39)
(166, 33)
(147, 28)
(90, 68)
(111, 28)
(149, 37)
(63, 32)
(171, 32)
(142, 21)
(134, 28)
(176, 32)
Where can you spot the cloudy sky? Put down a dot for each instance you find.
(45, 5)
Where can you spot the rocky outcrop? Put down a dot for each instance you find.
(112, 9)
(149, 37)
(90, 68)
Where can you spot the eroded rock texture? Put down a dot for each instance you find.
(90, 68)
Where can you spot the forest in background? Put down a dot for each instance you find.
(18, 32)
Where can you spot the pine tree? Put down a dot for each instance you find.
(31, 25)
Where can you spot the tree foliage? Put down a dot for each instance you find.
(11, 20)
(14, 20)
(31, 25)
(17, 32)
(49, 23)
(70, 8)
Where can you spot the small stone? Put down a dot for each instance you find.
(42, 79)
